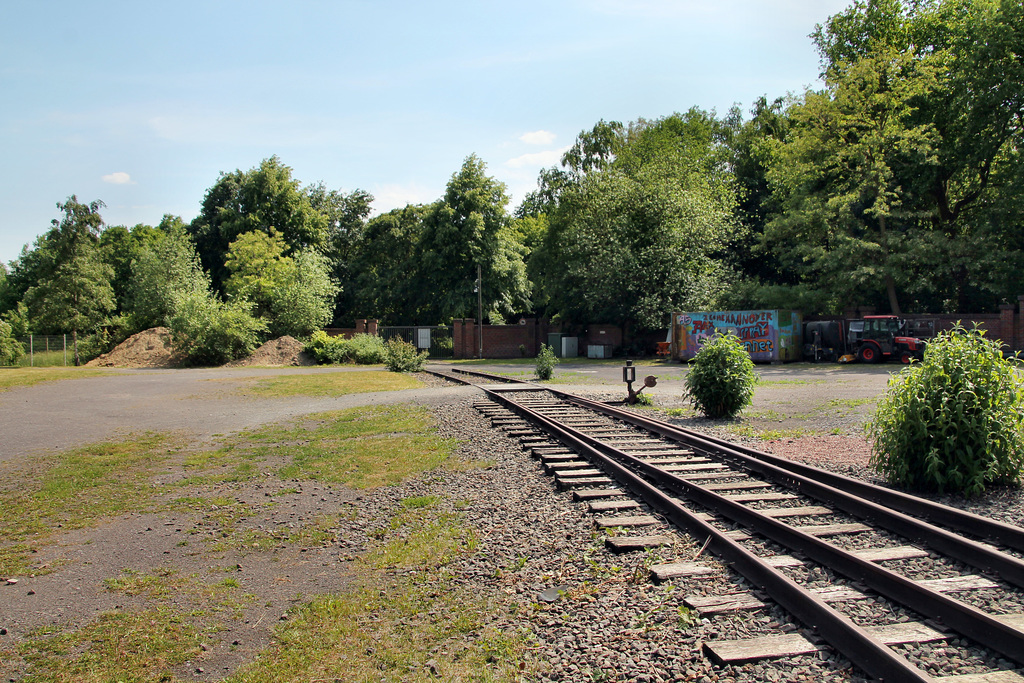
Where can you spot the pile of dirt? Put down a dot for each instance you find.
(148, 349)
(281, 351)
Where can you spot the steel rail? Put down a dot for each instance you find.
(970, 552)
(965, 619)
(976, 525)
(867, 652)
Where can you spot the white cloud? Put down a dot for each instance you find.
(538, 159)
(118, 178)
(390, 196)
(538, 137)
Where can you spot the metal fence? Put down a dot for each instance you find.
(436, 340)
(45, 350)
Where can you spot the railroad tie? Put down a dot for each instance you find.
(791, 644)
(580, 495)
(734, 602)
(626, 521)
(612, 505)
(564, 483)
(566, 467)
(678, 570)
(991, 677)
(625, 544)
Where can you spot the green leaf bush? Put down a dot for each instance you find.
(10, 349)
(364, 349)
(546, 362)
(954, 422)
(721, 379)
(207, 331)
(401, 356)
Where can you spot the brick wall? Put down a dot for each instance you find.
(500, 341)
(362, 327)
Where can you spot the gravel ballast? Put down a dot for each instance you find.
(588, 614)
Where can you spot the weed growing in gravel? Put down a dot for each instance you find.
(751, 432)
(422, 535)
(73, 490)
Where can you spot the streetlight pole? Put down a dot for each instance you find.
(480, 310)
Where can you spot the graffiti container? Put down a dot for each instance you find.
(769, 336)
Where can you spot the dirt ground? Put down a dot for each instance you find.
(201, 406)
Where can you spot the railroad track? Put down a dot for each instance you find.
(816, 544)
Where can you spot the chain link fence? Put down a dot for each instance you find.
(45, 350)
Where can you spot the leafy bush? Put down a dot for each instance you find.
(10, 349)
(721, 379)
(364, 349)
(546, 362)
(401, 356)
(954, 422)
(207, 331)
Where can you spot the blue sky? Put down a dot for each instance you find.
(142, 105)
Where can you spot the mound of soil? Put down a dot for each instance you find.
(148, 349)
(281, 351)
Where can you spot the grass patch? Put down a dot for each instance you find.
(361, 447)
(142, 644)
(26, 377)
(73, 490)
(752, 432)
(133, 646)
(790, 382)
(409, 626)
(332, 384)
(850, 403)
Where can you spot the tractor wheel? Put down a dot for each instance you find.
(906, 357)
(868, 354)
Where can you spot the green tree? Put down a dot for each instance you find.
(468, 228)
(898, 180)
(73, 293)
(346, 215)
(262, 199)
(120, 246)
(162, 270)
(293, 295)
(844, 172)
(384, 264)
(304, 301)
(644, 233)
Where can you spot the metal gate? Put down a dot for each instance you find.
(437, 340)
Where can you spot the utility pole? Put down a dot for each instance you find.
(480, 310)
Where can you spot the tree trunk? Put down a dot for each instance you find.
(890, 282)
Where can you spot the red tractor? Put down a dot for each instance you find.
(878, 337)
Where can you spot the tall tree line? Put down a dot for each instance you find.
(896, 184)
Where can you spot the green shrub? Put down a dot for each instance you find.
(10, 349)
(207, 331)
(401, 356)
(364, 349)
(546, 362)
(954, 422)
(721, 379)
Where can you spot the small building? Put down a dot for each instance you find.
(769, 336)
